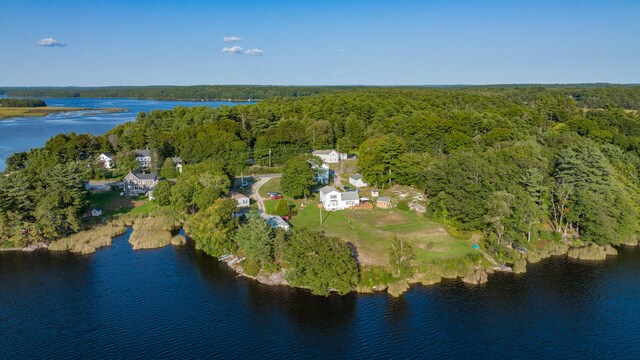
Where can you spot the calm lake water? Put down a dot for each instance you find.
(23, 133)
(179, 302)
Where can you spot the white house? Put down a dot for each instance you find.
(356, 180)
(243, 200)
(143, 157)
(139, 183)
(329, 156)
(96, 212)
(332, 199)
(177, 162)
(107, 160)
(275, 221)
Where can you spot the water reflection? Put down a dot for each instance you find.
(179, 302)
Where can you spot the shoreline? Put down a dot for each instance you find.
(473, 274)
(16, 112)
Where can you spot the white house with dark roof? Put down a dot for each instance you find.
(329, 156)
(356, 180)
(143, 157)
(107, 160)
(332, 199)
(139, 183)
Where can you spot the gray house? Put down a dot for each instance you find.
(139, 183)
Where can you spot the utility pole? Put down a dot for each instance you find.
(269, 157)
(320, 216)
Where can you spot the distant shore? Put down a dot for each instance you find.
(11, 112)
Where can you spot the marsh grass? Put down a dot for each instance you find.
(89, 241)
(152, 232)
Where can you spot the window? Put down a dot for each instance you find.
(333, 197)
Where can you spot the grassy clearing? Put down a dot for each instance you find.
(371, 230)
(9, 112)
(112, 203)
(273, 185)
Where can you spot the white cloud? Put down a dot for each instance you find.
(232, 38)
(238, 50)
(254, 52)
(51, 42)
(233, 50)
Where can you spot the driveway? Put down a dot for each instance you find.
(255, 187)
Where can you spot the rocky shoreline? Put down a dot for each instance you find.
(473, 275)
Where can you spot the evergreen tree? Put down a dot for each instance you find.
(168, 169)
(257, 240)
(298, 177)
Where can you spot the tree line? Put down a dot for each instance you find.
(16, 102)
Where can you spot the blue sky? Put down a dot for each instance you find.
(318, 42)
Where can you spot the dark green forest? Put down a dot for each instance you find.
(199, 92)
(13, 102)
(593, 96)
(514, 163)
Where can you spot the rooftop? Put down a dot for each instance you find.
(237, 195)
(322, 152)
(350, 195)
(356, 176)
(145, 152)
(327, 189)
(142, 176)
(274, 220)
(384, 199)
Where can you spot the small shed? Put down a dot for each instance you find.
(96, 212)
(357, 181)
(375, 193)
(383, 202)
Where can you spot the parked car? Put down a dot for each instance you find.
(273, 193)
(276, 196)
(286, 218)
(347, 188)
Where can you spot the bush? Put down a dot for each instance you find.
(250, 267)
(402, 205)
(282, 208)
(375, 276)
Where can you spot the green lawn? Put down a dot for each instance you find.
(112, 203)
(273, 185)
(371, 231)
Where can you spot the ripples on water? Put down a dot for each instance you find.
(178, 302)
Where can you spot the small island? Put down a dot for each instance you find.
(17, 107)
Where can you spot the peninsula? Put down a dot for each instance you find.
(349, 190)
